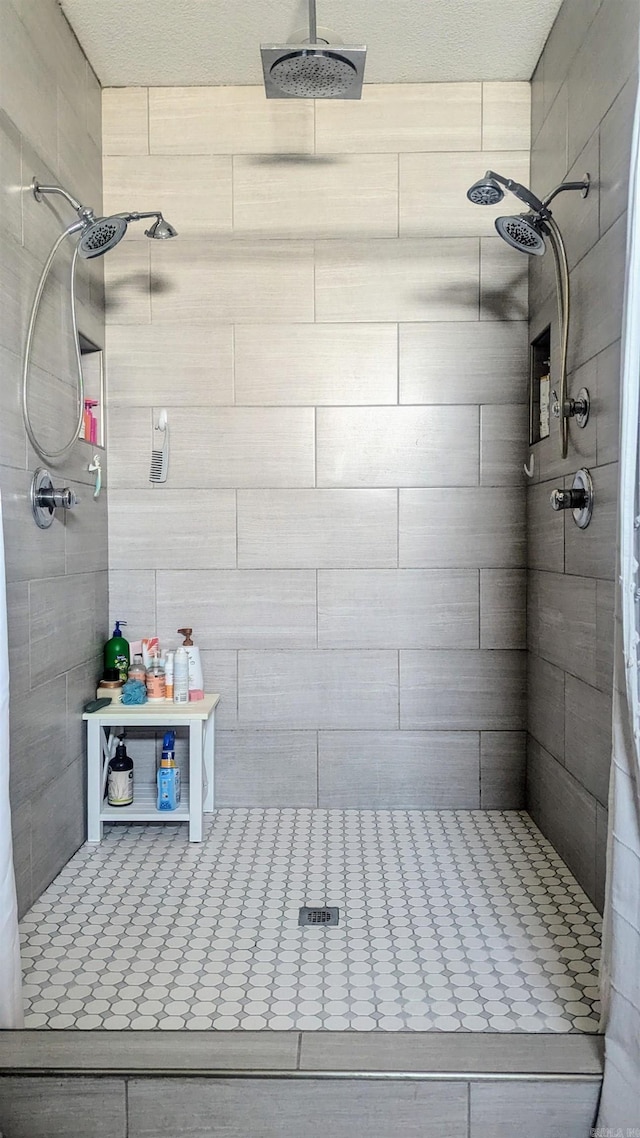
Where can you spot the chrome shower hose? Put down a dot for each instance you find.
(564, 310)
(54, 454)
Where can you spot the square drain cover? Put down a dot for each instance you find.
(310, 916)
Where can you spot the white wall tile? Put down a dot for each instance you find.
(407, 279)
(266, 768)
(433, 192)
(28, 88)
(247, 609)
(318, 689)
(125, 120)
(168, 528)
(504, 443)
(503, 756)
(398, 608)
(132, 597)
(173, 365)
(481, 528)
(506, 118)
(400, 446)
(392, 770)
(314, 364)
(402, 117)
(227, 120)
(127, 283)
(192, 191)
(317, 529)
(220, 671)
(130, 433)
(504, 281)
(458, 690)
(10, 178)
(464, 362)
(340, 196)
(211, 281)
(503, 609)
(241, 446)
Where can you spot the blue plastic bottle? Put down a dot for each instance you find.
(168, 775)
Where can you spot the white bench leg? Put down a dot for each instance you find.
(195, 780)
(94, 781)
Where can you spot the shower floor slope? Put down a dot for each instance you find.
(449, 921)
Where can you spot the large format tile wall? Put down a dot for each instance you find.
(50, 126)
(340, 340)
(583, 94)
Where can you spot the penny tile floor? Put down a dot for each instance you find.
(454, 920)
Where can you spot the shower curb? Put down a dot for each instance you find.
(446, 1056)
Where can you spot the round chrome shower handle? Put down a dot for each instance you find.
(45, 498)
(568, 499)
(579, 407)
(579, 499)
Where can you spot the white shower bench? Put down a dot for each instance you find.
(103, 728)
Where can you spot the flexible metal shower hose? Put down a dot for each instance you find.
(564, 309)
(55, 454)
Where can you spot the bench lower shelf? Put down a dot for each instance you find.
(144, 809)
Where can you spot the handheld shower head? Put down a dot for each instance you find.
(486, 191)
(100, 236)
(522, 232)
(489, 191)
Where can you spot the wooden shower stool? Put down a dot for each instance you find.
(104, 726)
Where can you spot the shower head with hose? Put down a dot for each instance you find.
(96, 235)
(319, 67)
(526, 232)
(99, 235)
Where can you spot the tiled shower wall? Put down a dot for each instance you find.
(583, 96)
(340, 340)
(50, 126)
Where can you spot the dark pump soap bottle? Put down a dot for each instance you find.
(120, 778)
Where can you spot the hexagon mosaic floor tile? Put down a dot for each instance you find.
(448, 921)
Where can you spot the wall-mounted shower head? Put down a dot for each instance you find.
(313, 69)
(522, 231)
(100, 236)
(486, 191)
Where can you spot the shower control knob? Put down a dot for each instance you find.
(45, 498)
(578, 408)
(579, 498)
(568, 499)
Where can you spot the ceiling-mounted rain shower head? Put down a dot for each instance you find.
(486, 191)
(522, 232)
(100, 236)
(318, 68)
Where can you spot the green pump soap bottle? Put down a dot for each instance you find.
(116, 652)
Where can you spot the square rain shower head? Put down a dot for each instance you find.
(312, 71)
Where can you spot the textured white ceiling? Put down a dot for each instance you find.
(202, 42)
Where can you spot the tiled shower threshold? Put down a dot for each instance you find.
(450, 921)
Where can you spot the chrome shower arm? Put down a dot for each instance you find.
(39, 189)
(583, 186)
